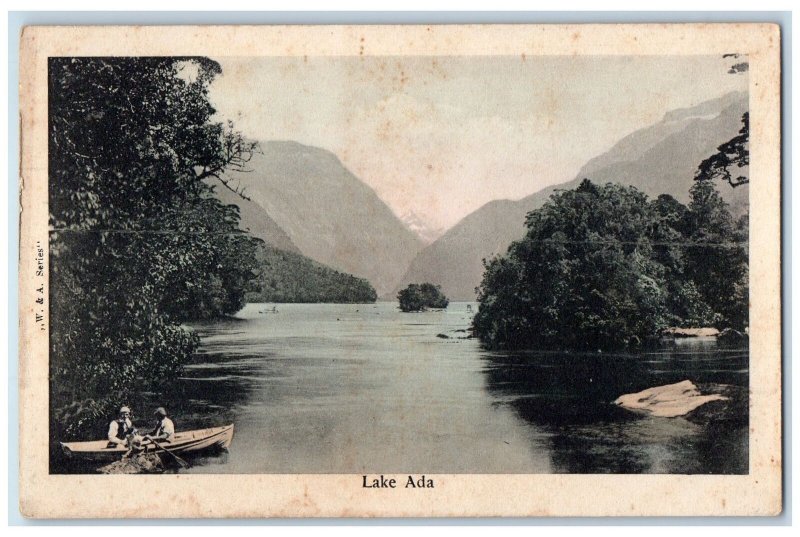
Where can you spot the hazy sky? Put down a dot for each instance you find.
(441, 136)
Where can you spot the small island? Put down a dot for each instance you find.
(421, 297)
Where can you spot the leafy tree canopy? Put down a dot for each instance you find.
(288, 277)
(604, 267)
(420, 297)
(138, 242)
(732, 155)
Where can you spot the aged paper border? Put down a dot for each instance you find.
(226, 495)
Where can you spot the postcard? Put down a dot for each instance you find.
(400, 271)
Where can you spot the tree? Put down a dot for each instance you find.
(738, 67)
(138, 242)
(735, 153)
(290, 277)
(603, 267)
(420, 297)
(716, 258)
(586, 275)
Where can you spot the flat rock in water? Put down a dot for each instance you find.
(145, 463)
(668, 401)
(691, 332)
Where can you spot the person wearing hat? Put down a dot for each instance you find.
(164, 430)
(120, 428)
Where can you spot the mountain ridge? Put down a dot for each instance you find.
(328, 213)
(659, 158)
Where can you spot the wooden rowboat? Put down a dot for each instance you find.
(215, 438)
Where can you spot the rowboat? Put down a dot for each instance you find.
(199, 440)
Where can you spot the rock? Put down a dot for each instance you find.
(729, 336)
(733, 407)
(143, 463)
(667, 401)
(690, 332)
(443, 336)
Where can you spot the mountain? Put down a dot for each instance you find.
(285, 275)
(659, 159)
(328, 213)
(420, 228)
(254, 218)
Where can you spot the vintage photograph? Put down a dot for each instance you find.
(439, 264)
(399, 266)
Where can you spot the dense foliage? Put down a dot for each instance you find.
(420, 297)
(138, 242)
(716, 257)
(604, 267)
(288, 277)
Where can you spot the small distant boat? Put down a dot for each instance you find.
(197, 441)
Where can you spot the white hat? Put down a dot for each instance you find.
(124, 409)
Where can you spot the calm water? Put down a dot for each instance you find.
(365, 388)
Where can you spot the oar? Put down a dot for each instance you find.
(182, 462)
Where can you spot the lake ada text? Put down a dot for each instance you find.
(391, 483)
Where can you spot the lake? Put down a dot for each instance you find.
(364, 388)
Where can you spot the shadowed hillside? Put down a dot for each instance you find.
(289, 277)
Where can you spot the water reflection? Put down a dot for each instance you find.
(327, 388)
(570, 395)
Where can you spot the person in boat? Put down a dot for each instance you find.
(120, 428)
(164, 429)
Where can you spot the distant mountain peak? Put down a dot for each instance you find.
(422, 229)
